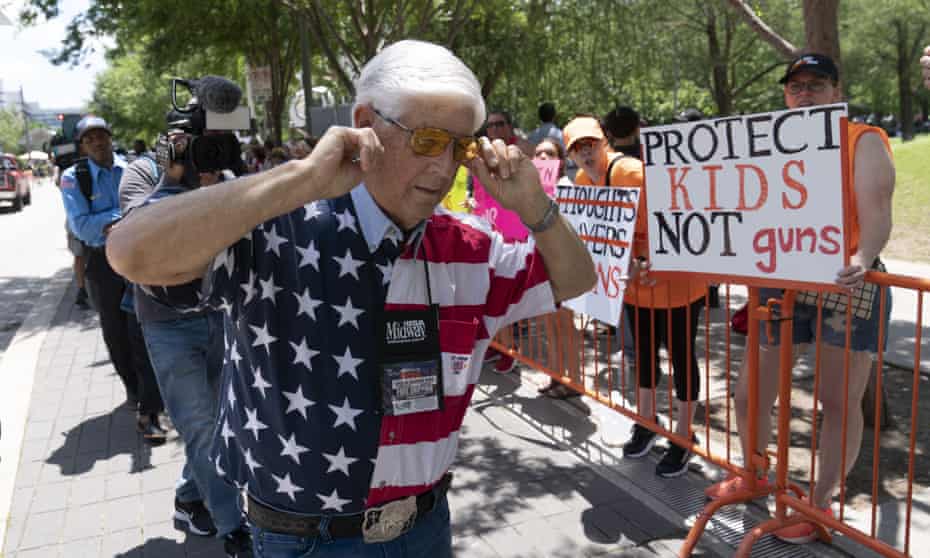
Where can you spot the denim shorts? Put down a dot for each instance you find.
(864, 334)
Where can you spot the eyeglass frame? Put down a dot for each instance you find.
(813, 86)
(455, 139)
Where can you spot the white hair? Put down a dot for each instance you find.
(411, 68)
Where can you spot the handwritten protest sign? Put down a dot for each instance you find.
(605, 219)
(757, 197)
(507, 222)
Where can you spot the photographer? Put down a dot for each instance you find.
(186, 349)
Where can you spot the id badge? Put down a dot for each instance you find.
(411, 362)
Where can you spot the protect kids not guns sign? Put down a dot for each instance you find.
(605, 219)
(756, 196)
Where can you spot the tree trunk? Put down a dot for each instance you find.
(721, 86)
(905, 94)
(821, 28)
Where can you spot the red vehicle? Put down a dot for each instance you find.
(15, 182)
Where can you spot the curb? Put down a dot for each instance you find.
(17, 375)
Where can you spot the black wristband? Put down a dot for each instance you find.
(548, 219)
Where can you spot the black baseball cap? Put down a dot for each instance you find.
(814, 63)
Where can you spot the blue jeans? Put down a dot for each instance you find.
(180, 351)
(431, 537)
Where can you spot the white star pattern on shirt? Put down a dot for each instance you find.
(226, 433)
(348, 365)
(345, 414)
(339, 461)
(231, 396)
(262, 337)
(248, 288)
(234, 355)
(291, 448)
(250, 462)
(219, 470)
(348, 265)
(333, 501)
(273, 242)
(311, 210)
(307, 304)
(226, 258)
(285, 486)
(253, 423)
(346, 221)
(394, 235)
(386, 271)
(303, 353)
(226, 306)
(269, 289)
(260, 384)
(348, 314)
(296, 402)
(309, 256)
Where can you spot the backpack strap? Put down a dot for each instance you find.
(84, 179)
(610, 167)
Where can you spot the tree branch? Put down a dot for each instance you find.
(777, 42)
(756, 77)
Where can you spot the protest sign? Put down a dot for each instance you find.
(505, 221)
(757, 197)
(605, 219)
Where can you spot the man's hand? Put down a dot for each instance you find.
(925, 66)
(852, 276)
(340, 158)
(510, 177)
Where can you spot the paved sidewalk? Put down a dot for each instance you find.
(533, 477)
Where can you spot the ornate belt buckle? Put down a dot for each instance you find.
(386, 523)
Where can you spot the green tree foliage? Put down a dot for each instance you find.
(11, 130)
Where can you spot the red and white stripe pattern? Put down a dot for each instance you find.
(481, 284)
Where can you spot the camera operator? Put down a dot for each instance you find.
(89, 192)
(186, 351)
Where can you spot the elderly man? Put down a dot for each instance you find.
(813, 80)
(357, 311)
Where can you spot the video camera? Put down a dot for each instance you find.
(207, 122)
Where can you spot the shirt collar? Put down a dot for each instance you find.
(376, 226)
(95, 169)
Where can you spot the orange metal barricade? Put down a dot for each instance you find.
(590, 358)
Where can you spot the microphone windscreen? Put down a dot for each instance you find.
(218, 94)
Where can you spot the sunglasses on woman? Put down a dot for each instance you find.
(432, 142)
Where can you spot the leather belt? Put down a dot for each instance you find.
(345, 526)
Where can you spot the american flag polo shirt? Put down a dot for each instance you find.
(300, 423)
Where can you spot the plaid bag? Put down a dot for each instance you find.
(862, 299)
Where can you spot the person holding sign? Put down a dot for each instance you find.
(809, 81)
(669, 301)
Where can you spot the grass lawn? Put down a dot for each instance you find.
(910, 238)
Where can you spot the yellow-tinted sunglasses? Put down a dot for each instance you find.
(432, 142)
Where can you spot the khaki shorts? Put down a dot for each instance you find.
(75, 246)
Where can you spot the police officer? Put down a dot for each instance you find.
(89, 189)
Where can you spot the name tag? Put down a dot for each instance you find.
(410, 360)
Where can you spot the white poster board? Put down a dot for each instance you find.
(605, 219)
(756, 196)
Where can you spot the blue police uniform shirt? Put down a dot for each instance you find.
(87, 218)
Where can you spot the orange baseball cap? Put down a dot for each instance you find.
(581, 127)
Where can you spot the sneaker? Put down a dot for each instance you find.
(194, 518)
(238, 544)
(151, 430)
(801, 533)
(731, 485)
(505, 364)
(674, 462)
(642, 441)
(81, 299)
